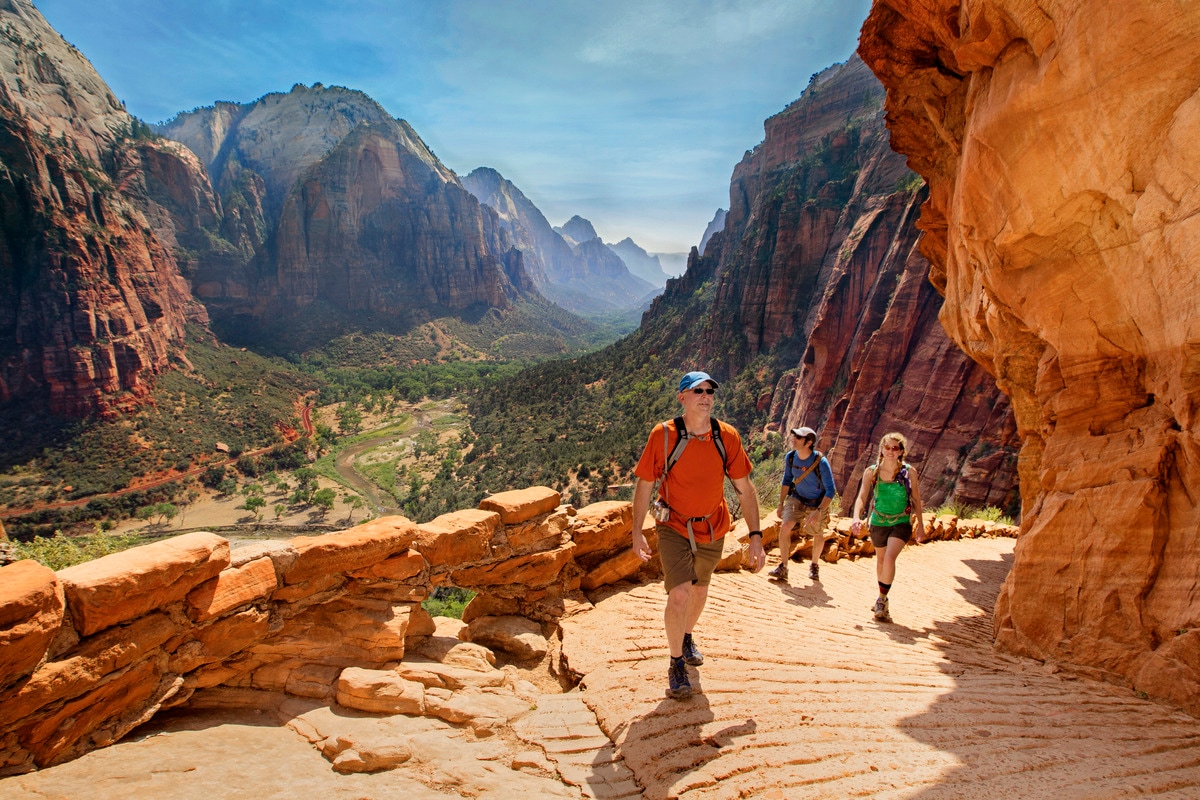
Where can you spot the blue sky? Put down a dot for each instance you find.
(630, 113)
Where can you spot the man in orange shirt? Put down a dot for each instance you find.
(691, 512)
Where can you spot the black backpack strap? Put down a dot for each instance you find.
(680, 443)
(720, 443)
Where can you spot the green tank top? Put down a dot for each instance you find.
(891, 503)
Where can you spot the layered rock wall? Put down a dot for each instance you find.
(92, 303)
(817, 269)
(90, 652)
(1059, 143)
(333, 207)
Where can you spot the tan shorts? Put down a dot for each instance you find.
(680, 564)
(796, 511)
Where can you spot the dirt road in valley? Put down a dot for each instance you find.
(802, 695)
(378, 503)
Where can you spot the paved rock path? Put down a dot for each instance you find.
(803, 695)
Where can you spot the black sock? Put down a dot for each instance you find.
(687, 638)
(676, 658)
(884, 588)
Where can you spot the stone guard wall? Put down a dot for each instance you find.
(91, 652)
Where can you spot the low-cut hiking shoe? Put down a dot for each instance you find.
(677, 679)
(779, 573)
(814, 571)
(881, 610)
(691, 653)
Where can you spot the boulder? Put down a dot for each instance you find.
(31, 612)
(346, 632)
(233, 587)
(349, 550)
(379, 692)
(536, 570)
(519, 637)
(540, 533)
(397, 568)
(435, 675)
(87, 667)
(602, 526)
(460, 537)
(126, 585)
(519, 505)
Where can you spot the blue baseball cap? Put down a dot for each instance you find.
(693, 378)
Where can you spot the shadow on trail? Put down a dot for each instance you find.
(1019, 729)
(811, 596)
(667, 746)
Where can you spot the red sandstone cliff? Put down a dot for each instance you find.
(816, 273)
(338, 205)
(91, 300)
(1059, 144)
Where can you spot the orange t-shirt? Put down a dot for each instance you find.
(695, 486)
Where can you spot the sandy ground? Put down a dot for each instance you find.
(221, 515)
(802, 695)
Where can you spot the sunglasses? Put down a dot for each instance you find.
(893, 447)
(704, 391)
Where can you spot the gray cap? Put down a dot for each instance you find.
(804, 432)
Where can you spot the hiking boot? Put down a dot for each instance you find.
(881, 610)
(814, 571)
(677, 677)
(779, 573)
(691, 653)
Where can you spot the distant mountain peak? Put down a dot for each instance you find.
(715, 226)
(577, 230)
(570, 265)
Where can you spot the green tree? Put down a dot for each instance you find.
(166, 512)
(354, 502)
(255, 504)
(349, 419)
(324, 500)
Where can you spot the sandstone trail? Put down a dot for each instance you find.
(805, 695)
(802, 695)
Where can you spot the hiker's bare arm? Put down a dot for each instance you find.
(641, 504)
(918, 515)
(749, 497)
(860, 502)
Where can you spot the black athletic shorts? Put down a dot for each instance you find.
(881, 533)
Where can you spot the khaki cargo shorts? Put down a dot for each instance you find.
(796, 511)
(680, 564)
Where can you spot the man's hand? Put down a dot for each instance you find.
(640, 548)
(856, 526)
(919, 532)
(758, 557)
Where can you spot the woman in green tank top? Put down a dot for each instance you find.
(891, 486)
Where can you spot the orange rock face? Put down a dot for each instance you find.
(124, 586)
(519, 505)
(1059, 144)
(31, 611)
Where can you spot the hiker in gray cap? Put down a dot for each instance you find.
(805, 494)
(687, 460)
